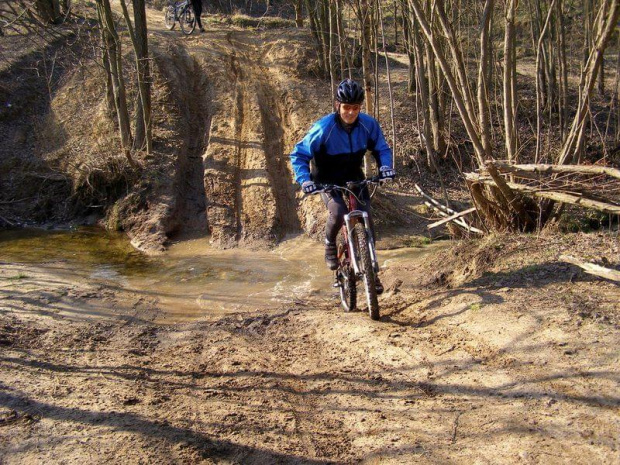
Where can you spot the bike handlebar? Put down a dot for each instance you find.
(350, 185)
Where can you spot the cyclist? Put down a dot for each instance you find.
(197, 5)
(337, 143)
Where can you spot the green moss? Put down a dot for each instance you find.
(416, 241)
(18, 277)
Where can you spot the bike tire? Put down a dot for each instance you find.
(169, 18)
(188, 21)
(348, 289)
(368, 272)
(346, 276)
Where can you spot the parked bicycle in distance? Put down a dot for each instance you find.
(357, 258)
(183, 13)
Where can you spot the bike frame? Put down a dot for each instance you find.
(179, 9)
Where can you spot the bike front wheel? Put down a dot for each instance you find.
(188, 21)
(368, 271)
(347, 282)
(348, 290)
(169, 18)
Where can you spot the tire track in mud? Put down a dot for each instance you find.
(249, 185)
(239, 107)
(191, 185)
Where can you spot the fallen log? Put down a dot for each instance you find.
(592, 268)
(557, 169)
(575, 199)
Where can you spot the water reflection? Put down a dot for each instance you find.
(191, 279)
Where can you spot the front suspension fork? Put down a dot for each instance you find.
(349, 221)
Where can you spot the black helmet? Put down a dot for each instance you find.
(349, 91)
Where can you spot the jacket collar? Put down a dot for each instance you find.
(347, 127)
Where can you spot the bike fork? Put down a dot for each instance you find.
(353, 256)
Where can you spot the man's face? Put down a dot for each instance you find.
(349, 112)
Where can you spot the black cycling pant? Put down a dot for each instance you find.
(337, 208)
(197, 6)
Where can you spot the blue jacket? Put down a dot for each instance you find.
(338, 154)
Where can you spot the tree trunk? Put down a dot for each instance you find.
(409, 48)
(113, 49)
(484, 78)
(509, 85)
(48, 10)
(366, 31)
(143, 115)
(299, 14)
(331, 47)
(342, 50)
(563, 97)
(423, 92)
(324, 34)
(539, 102)
(315, 27)
(105, 59)
(435, 108)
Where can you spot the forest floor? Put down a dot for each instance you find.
(494, 351)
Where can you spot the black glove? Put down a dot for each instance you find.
(386, 173)
(309, 187)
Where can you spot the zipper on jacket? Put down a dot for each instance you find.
(350, 145)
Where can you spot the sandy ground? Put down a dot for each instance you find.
(484, 354)
(492, 352)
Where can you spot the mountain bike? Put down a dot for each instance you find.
(183, 13)
(357, 257)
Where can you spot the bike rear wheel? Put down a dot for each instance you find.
(368, 271)
(169, 18)
(188, 21)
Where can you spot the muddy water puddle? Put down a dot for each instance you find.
(191, 279)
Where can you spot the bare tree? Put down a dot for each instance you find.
(112, 49)
(484, 77)
(510, 80)
(606, 24)
(539, 77)
(138, 36)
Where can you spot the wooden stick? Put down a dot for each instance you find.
(6, 221)
(434, 202)
(592, 268)
(459, 221)
(450, 218)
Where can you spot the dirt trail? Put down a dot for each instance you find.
(508, 360)
(248, 184)
(496, 369)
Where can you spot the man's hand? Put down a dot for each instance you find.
(386, 173)
(308, 187)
